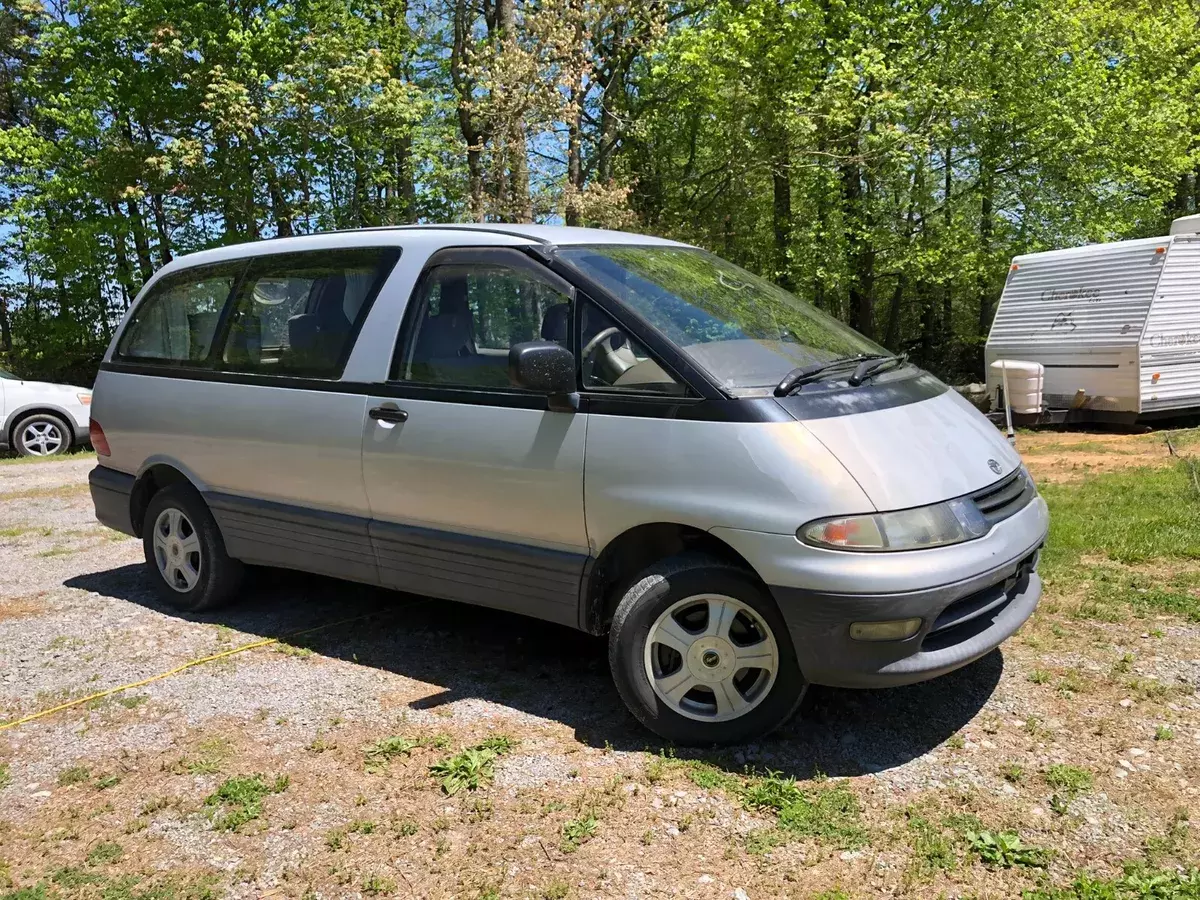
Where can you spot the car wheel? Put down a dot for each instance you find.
(185, 552)
(41, 435)
(701, 655)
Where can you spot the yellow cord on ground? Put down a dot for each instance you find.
(187, 665)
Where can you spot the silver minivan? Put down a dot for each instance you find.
(617, 433)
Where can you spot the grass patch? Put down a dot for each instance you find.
(1158, 516)
(73, 775)
(1069, 780)
(5, 776)
(827, 812)
(471, 768)
(104, 853)
(239, 800)
(1164, 733)
(932, 849)
(211, 755)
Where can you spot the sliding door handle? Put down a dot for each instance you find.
(388, 414)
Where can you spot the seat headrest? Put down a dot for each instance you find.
(453, 298)
(556, 323)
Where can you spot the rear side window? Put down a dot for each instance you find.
(299, 313)
(177, 323)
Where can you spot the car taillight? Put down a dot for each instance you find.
(96, 436)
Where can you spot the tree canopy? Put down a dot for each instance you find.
(882, 159)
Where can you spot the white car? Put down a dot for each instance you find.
(41, 419)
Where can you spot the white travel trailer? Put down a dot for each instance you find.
(1116, 326)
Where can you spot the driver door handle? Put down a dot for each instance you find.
(388, 414)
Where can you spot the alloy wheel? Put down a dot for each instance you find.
(711, 657)
(42, 438)
(177, 550)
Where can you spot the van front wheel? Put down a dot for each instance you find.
(185, 553)
(701, 655)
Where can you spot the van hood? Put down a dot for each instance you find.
(918, 453)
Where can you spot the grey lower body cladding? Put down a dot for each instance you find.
(500, 574)
(960, 623)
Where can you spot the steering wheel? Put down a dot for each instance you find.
(599, 339)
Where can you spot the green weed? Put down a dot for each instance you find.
(239, 800)
(1136, 883)
(576, 832)
(471, 768)
(1163, 733)
(104, 853)
(73, 775)
(1071, 780)
(1005, 849)
(828, 812)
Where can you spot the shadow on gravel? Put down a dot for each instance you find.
(561, 674)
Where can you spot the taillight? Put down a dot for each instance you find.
(96, 436)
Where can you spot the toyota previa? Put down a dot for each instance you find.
(617, 433)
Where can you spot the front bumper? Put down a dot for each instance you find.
(960, 623)
(986, 588)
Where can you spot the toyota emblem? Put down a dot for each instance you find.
(994, 466)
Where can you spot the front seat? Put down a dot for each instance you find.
(448, 335)
(556, 324)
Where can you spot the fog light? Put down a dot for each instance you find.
(894, 630)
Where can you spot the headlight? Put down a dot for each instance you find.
(936, 525)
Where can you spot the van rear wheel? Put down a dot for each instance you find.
(701, 655)
(185, 552)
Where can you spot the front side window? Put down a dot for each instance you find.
(298, 313)
(7, 376)
(745, 331)
(177, 322)
(469, 315)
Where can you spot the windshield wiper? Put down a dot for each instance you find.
(797, 378)
(869, 367)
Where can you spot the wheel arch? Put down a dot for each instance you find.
(153, 477)
(629, 553)
(34, 409)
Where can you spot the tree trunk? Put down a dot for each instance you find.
(139, 239)
(781, 213)
(987, 187)
(861, 254)
(160, 225)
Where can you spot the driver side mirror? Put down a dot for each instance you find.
(545, 367)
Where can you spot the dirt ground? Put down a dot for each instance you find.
(1080, 735)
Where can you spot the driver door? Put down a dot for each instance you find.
(476, 487)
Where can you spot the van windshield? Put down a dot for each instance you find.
(746, 332)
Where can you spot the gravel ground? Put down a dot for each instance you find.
(78, 616)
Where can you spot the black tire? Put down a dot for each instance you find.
(655, 591)
(54, 425)
(219, 576)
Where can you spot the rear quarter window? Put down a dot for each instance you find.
(177, 323)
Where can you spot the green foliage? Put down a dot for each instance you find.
(472, 768)
(578, 831)
(5, 776)
(1004, 849)
(238, 800)
(1136, 883)
(885, 161)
